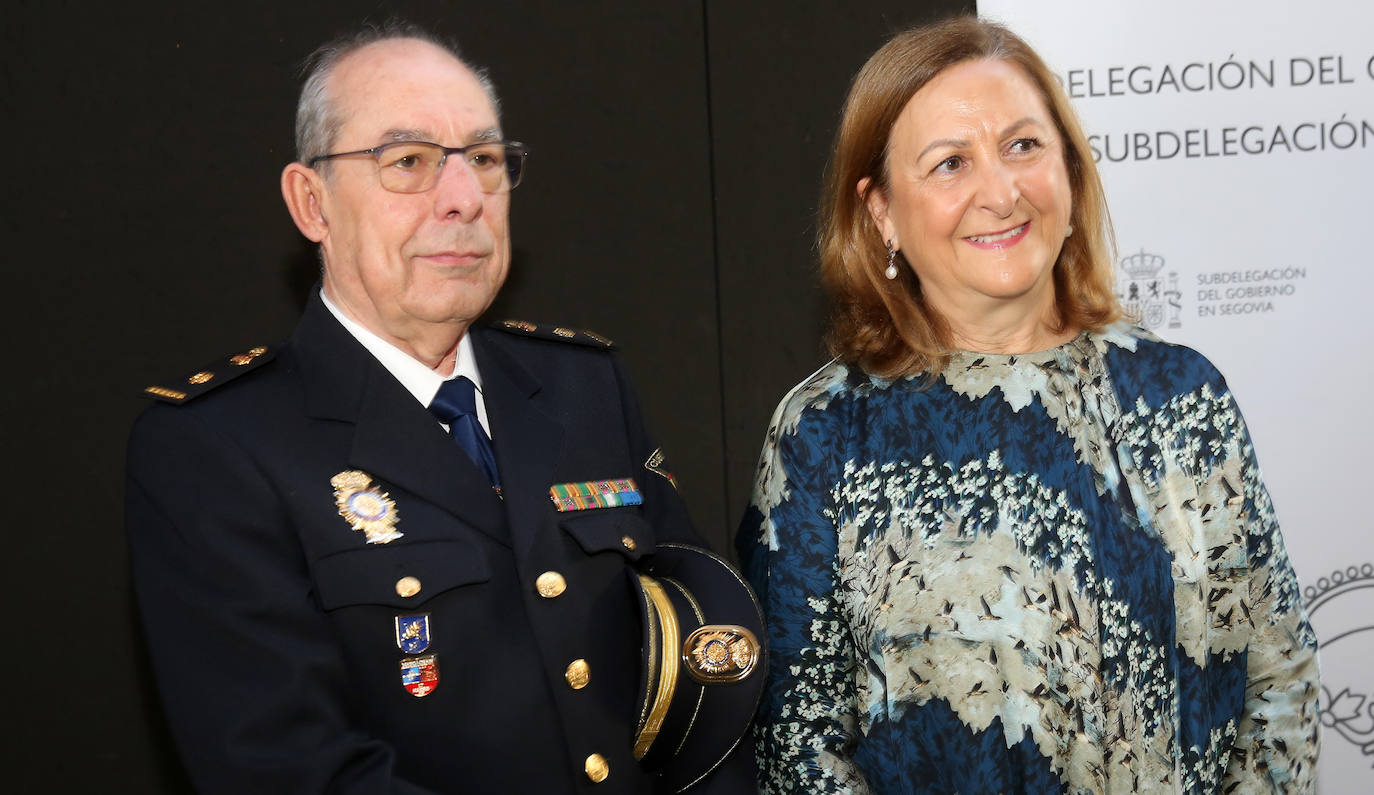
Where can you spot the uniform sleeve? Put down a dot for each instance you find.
(807, 725)
(1277, 740)
(663, 505)
(250, 674)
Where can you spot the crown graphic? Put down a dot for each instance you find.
(1142, 265)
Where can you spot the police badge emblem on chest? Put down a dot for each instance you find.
(367, 508)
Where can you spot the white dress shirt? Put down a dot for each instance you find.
(415, 375)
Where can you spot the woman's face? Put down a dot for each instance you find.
(979, 196)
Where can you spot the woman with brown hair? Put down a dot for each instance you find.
(1006, 541)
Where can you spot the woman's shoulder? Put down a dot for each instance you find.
(820, 396)
(1153, 364)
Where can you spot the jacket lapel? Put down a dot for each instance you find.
(398, 440)
(395, 439)
(526, 438)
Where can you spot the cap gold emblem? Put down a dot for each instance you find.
(367, 508)
(720, 653)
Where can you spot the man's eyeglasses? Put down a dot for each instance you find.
(414, 166)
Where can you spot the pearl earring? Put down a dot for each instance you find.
(891, 272)
(1068, 231)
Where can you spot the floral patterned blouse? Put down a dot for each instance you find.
(1052, 572)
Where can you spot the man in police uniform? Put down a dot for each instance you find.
(340, 598)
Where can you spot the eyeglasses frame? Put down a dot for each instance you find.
(512, 147)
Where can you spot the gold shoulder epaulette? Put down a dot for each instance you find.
(220, 371)
(524, 328)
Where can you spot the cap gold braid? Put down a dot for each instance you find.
(668, 667)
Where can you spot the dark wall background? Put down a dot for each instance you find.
(669, 205)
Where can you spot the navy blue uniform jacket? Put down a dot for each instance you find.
(271, 621)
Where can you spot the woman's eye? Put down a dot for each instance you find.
(949, 165)
(1023, 145)
(407, 162)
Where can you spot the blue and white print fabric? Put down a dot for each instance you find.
(1057, 572)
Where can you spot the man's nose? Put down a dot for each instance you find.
(457, 193)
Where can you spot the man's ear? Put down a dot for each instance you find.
(302, 188)
(876, 202)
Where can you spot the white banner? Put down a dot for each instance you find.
(1236, 141)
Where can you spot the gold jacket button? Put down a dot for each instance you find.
(550, 584)
(628, 543)
(597, 768)
(579, 673)
(408, 586)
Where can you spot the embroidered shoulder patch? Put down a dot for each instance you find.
(657, 463)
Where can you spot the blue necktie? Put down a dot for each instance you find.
(456, 406)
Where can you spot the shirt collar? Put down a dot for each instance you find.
(414, 375)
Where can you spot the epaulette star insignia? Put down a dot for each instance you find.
(220, 371)
(524, 328)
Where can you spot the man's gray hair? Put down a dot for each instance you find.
(318, 119)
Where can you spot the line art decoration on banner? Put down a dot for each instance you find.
(1346, 628)
(1236, 144)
